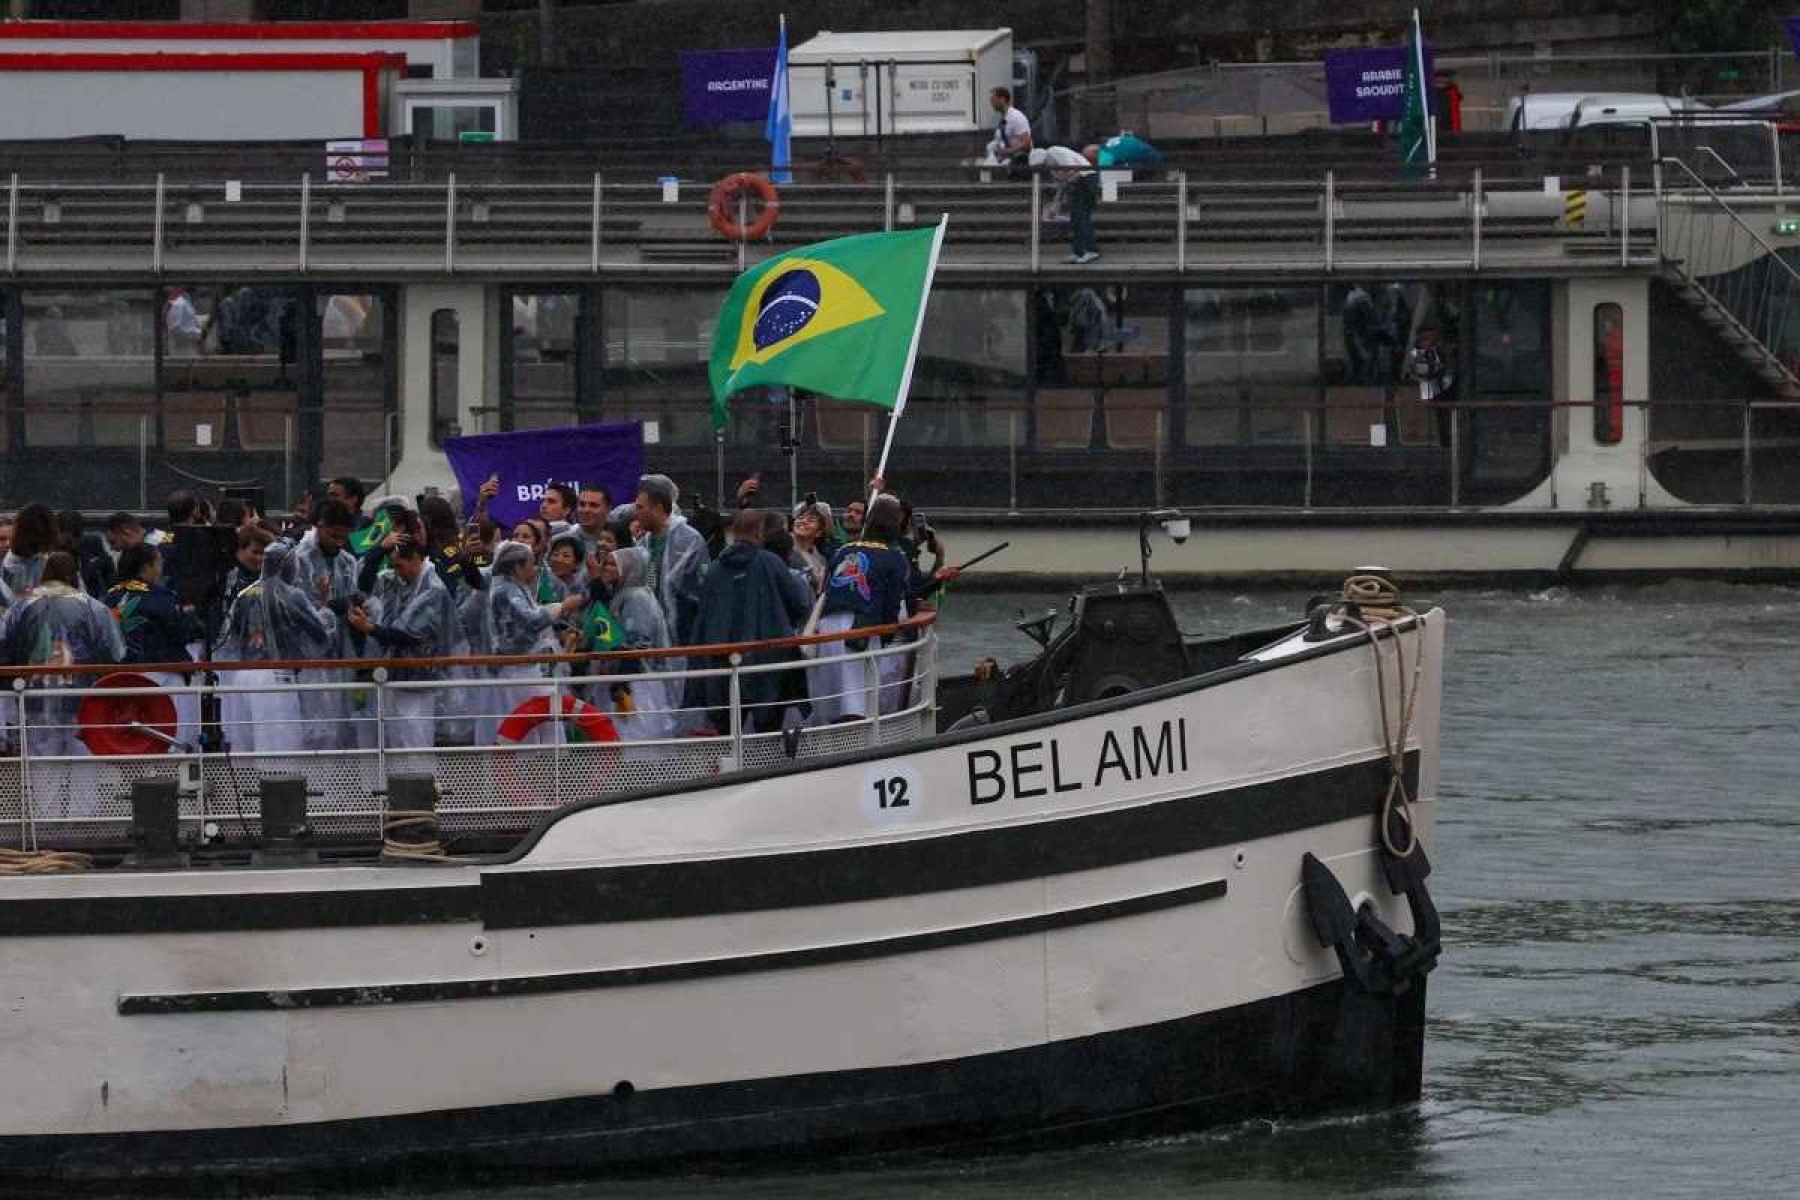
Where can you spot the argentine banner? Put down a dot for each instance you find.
(840, 318)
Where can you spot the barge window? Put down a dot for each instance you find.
(971, 381)
(445, 364)
(545, 358)
(355, 381)
(656, 345)
(90, 367)
(1252, 365)
(1609, 374)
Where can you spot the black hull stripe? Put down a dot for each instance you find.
(525, 899)
(1321, 1049)
(620, 977)
(945, 862)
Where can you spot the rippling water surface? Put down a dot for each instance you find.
(1617, 1012)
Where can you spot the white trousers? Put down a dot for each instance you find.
(187, 711)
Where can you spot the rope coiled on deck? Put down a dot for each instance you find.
(411, 835)
(43, 862)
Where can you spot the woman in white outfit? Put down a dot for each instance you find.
(271, 620)
(518, 624)
(641, 627)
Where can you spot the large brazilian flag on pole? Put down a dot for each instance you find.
(840, 318)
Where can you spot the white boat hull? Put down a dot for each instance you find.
(1089, 917)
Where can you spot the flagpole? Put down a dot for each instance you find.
(1430, 130)
(912, 354)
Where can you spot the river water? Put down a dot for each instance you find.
(1617, 1012)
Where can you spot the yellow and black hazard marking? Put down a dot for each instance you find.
(1574, 209)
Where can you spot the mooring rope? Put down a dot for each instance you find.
(43, 862)
(420, 821)
(1366, 602)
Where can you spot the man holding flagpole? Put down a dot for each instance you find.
(779, 127)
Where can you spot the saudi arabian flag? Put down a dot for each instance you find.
(839, 318)
(1418, 148)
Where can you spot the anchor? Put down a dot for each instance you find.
(1380, 961)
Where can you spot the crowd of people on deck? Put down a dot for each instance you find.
(407, 580)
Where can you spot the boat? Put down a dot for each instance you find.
(1141, 881)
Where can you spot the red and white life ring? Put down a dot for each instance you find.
(584, 719)
(112, 725)
(722, 209)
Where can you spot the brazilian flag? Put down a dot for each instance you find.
(839, 318)
(599, 628)
(369, 536)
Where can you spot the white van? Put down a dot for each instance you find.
(1572, 110)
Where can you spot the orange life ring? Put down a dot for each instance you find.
(592, 724)
(722, 209)
(106, 721)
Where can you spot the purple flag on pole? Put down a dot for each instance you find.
(1369, 84)
(611, 456)
(718, 86)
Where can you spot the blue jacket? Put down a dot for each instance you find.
(868, 580)
(152, 623)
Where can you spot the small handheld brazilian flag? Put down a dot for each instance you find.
(839, 318)
(599, 628)
(369, 536)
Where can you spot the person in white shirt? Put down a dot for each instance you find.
(1080, 191)
(1012, 139)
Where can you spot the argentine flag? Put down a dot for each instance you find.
(780, 124)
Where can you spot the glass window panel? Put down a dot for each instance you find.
(1252, 364)
(446, 122)
(657, 343)
(544, 384)
(1609, 373)
(353, 386)
(90, 367)
(971, 379)
(228, 353)
(446, 335)
(1512, 345)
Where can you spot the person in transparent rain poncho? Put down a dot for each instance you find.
(273, 619)
(341, 718)
(642, 708)
(411, 615)
(59, 626)
(518, 624)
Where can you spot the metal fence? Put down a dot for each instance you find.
(72, 753)
(1166, 223)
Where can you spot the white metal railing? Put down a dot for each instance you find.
(1162, 220)
(348, 737)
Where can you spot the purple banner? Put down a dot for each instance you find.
(1369, 84)
(611, 456)
(1792, 25)
(726, 85)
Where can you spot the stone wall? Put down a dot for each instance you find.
(1149, 35)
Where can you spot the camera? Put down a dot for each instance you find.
(810, 498)
(922, 532)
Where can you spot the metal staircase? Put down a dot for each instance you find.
(1754, 304)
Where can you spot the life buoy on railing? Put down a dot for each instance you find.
(113, 725)
(722, 209)
(589, 722)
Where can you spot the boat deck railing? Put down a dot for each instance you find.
(77, 738)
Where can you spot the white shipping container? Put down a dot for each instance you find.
(887, 83)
